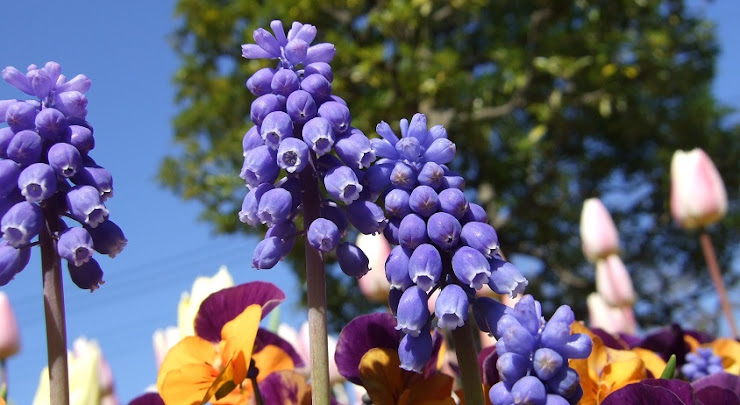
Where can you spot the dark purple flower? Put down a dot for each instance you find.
(317, 86)
(87, 276)
(108, 238)
(431, 175)
(352, 260)
(359, 336)
(96, 176)
(653, 391)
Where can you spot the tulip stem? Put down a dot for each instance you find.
(467, 360)
(719, 285)
(56, 333)
(4, 379)
(316, 293)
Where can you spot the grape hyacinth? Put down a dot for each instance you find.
(47, 173)
(443, 241)
(533, 356)
(701, 364)
(302, 133)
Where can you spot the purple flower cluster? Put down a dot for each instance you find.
(443, 240)
(701, 364)
(533, 356)
(302, 134)
(46, 172)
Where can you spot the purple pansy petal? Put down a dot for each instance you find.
(150, 398)
(721, 386)
(363, 333)
(652, 391)
(285, 387)
(667, 341)
(487, 359)
(225, 305)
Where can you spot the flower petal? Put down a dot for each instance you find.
(224, 305)
(381, 374)
(150, 398)
(433, 390)
(286, 387)
(265, 337)
(359, 336)
(190, 350)
(651, 392)
(188, 385)
(271, 359)
(239, 335)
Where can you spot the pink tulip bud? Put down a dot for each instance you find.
(599, 236)
(374, 285)
(10, 341)
(613, 282)
(698, 196)
(611, 319)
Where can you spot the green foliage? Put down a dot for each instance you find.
(549, 103)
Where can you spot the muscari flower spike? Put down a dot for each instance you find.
(443, 240)
(533, 356)
(300, 125)
(46, 170)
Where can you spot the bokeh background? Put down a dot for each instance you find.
(548, 105)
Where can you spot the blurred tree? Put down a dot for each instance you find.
(549, 103)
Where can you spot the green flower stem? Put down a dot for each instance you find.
(467, 360)
(711, 259)
(56, 332)
(4, 379)
(316, 293)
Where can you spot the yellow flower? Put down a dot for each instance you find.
(387, 383)
(202, 288)
(84, 383)
(607, 370)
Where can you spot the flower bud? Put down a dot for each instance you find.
(431, 175)
(37, 182)
(471, 267)
(20, 115)
(65, 159)
(21, 223)
(506, 278)
(374, 285)
(441, 151)
(87, 276)
(453, 202)
(108, 238)
(599, 237)
(12, 261)
(9, 172)
(75, 245)
(611, 319)
(262, 106)
(275, 206)
(323, 235)
(250, 205)
(339, 116)
(318, 135)
(321, 68)
(354, 149)
(335, 214)
(366, 216)
(403, 176)
(529, 390)
(341, 183)
(259, 83)
(414, 352)
(260, 166)
(25, 147)
(71, 103)
(613, 282)
(51, 124)
(85, 205)
(285, 82)
(444, 230)
(412, 311)
(698, 196)
(424, 201)
(10, 342)
(352, 260)
(397, 268)
(481, 237)
(451, 307)
(81, 137)
(412, 231)
(269, 251)
(300, 106)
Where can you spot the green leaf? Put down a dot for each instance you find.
(670, 368)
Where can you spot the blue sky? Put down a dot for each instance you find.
(122, 46)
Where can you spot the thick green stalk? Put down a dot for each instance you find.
(711, 259)
(316, 293)
(467, 360)
(56, 330)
